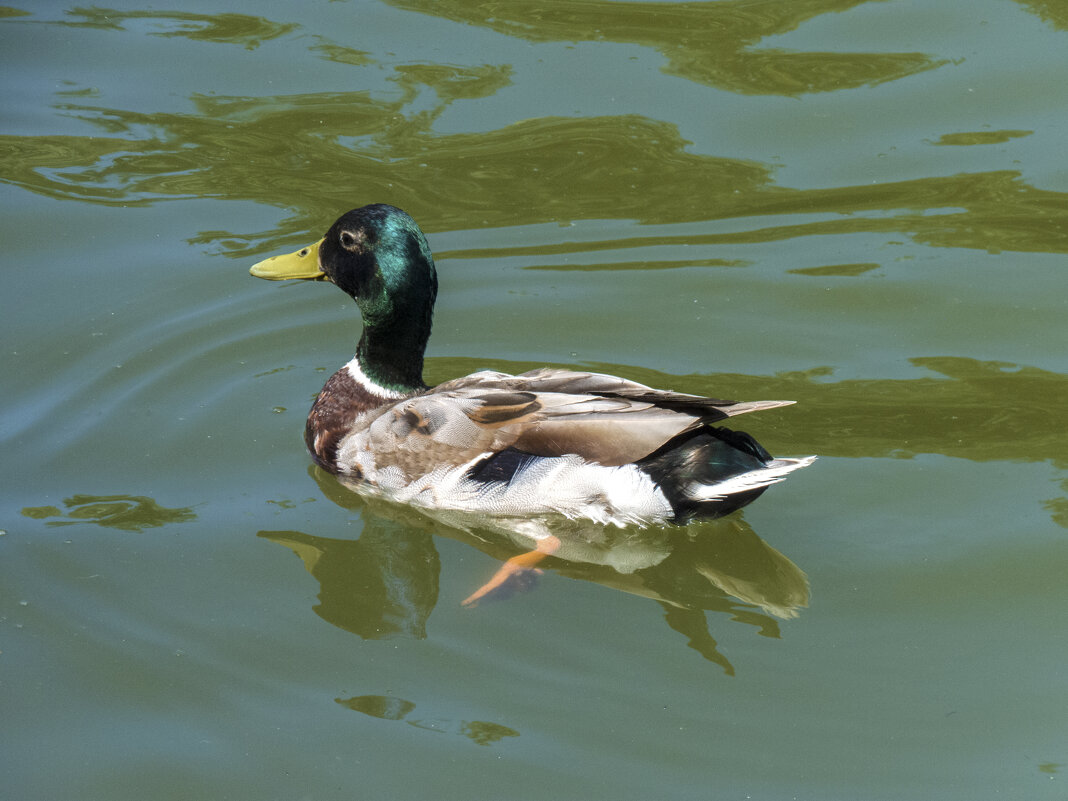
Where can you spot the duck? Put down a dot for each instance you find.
(550, 442)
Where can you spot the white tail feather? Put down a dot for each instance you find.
(771, 473)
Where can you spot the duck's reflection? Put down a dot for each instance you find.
(385, 584)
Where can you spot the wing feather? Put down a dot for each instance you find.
(545, 412)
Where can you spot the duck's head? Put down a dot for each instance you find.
(378, 256)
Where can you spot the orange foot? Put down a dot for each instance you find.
(513, 568)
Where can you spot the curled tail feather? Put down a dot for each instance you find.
(714, 471)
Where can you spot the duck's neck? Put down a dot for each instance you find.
(390, 356)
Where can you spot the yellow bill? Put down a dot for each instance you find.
(302, 264)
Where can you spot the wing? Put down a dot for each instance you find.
(455, 427)
(546, 412)
(548, 379)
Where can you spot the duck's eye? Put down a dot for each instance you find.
(348, 240)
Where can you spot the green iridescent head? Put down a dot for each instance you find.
(377, 255)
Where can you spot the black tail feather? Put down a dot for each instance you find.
(705, 457)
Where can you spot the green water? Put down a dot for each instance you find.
(859, 206)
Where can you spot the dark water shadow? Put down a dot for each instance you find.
(712, 43)
(1053, 12)
(226, 28)
(385, 584)
(124, 512)
(387, 707)
(540, 170)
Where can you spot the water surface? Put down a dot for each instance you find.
(861, 206)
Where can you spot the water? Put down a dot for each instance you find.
(859, 206)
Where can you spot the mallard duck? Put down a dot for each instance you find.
(547, 442)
